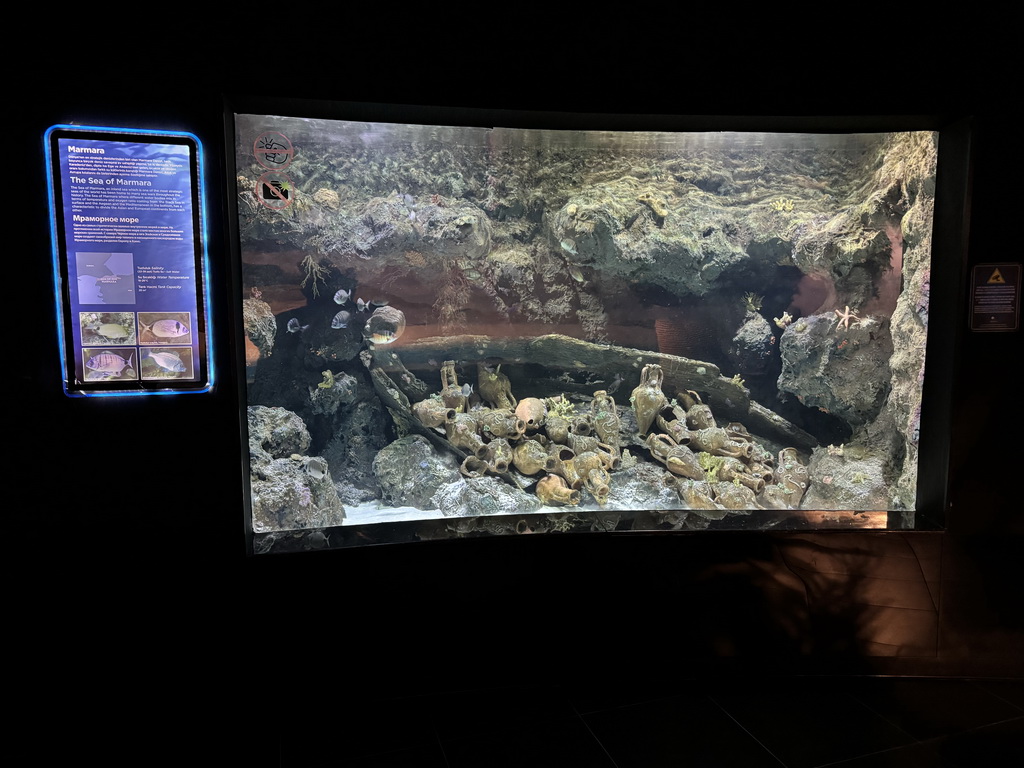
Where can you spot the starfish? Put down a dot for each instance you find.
(845, 318)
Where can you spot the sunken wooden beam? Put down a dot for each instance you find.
(553, 356)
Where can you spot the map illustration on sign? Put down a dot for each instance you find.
(105, 278)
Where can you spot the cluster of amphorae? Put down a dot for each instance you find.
(575, 447)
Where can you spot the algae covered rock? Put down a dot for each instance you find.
(291, 495)
(840, 370)
(260, 324)
(276, 432)
(846, 479)
(488, 495)
(410, 471)
(332, 392)
(751, 347)
(289, 489)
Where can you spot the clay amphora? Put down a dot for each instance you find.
(433, 412)
(499, 455)
(557, 428)
(605, 417)
(500, 423)
(552, 491)
(462, 433)
(494, 388)
(648, 399)
(530, 457)
(451, 393)
(532, 411)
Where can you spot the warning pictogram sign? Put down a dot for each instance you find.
(273, 150)
(995, 297)
(274, 190)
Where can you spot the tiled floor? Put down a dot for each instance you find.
(855, 722)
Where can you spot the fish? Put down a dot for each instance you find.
(167, 360)
(167, 329)
(383, 337)
(113, 331)
(109, 363)
(341, 319)
(410, 203)
(342, 296)
(294, 326)
(363, 306)
(576, 274)
(467, 389)
(380, 302)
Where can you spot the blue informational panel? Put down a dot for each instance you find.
(129, 259)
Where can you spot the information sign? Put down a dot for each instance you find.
(995, 297)
(129, 260)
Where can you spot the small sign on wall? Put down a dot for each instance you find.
(995, 297)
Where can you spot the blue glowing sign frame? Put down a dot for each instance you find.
(130, 265)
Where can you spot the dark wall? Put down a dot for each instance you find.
(108, 547)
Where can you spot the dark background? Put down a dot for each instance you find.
(128, 572)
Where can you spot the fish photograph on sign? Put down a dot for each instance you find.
(166, 363)
(108, 364)
(165, 328)
(107, 328)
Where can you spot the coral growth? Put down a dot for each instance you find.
(314, 274)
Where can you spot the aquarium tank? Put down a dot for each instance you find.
(467, 330)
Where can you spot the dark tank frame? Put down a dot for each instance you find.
(944, 336)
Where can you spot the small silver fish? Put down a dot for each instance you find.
(467, 389)
(342, 296)
(341, 319)
(109, 363)
(294, 326)
(363, 306)
(380, 302)
(167, 360)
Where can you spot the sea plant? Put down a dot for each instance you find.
(315, 273)
(711, 465)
